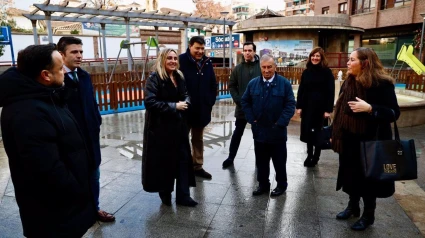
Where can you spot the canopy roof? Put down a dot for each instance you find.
(120, 16)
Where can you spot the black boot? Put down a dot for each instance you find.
(367, 219)
(316, 157)
(307, 161)
(165, 198)
(353, 209)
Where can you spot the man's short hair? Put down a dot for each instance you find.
(197, 39)
(34, 59)
(266, 57)
(254, 47)
(68, 40)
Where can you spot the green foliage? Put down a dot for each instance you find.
(75, 32)
(417, 40)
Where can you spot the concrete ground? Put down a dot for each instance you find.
(226, 207)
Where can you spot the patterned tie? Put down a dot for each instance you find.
(74, 76)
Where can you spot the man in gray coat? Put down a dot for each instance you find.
(239, 79)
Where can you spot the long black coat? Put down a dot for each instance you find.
(202, 87)
(315, 96)
(85, 109)
(350, 175)
(165, 136)
(48, 159)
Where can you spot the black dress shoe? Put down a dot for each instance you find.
(363, 223)
(227, 163)
(313, 162)
(188, 202)
(261, 190)
(203, 174)
(348, 212)
(278, 191)
(165, 198)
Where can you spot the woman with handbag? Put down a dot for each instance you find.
(366, 106)
(166, 149)
(315, 101)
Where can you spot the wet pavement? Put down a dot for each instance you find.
(226, 207)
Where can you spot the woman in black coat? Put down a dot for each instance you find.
(315, 101)
(366, 106)
(166, 150)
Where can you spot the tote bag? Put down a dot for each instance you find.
(389, 160)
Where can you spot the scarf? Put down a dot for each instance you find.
(345, 119)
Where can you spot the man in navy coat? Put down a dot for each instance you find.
(83, 106)
(202, 87)
(269, 104)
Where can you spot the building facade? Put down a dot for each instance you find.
(388, 24)
(299, 7)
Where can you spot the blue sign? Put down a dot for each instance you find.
(212, 54)
(217, 42)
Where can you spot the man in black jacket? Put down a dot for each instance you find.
(48, 159)
(84, 107)
(239, 79)
(202, 87)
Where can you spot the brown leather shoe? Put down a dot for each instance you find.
(203, 174)
(104, 216)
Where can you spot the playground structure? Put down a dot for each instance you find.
(405, 55)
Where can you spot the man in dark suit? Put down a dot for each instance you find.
(83, 106)
(269, 104)
(202, 87)
(48, 159)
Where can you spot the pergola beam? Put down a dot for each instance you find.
(117, 13)
(111, 21)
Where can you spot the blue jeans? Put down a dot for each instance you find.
(240, 125)
(95, 186)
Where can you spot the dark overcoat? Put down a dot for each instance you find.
(48, 159)
(239, 79)
(202, 87)
(269, 110)
(350, 174)
(85, 109)
(165, 135)
(315, 96)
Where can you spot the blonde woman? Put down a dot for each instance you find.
(166, 149)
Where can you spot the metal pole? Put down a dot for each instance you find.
(49, 26)
(422, 41)
(105, 57)
(127, 29)
(224, 42)
(230, 47)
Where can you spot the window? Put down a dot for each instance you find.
(385, 4)
(342, 8)
(361, 6)
(325, 10)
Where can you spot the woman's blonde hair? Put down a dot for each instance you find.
(372, 69)
(160, 64)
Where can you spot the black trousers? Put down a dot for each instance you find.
(240, 125)
(278, 154)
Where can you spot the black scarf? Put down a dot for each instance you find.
(345, 118)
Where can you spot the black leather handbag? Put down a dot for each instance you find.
(389, 160)
(325, 135)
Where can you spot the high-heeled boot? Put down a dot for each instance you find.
(316, 157)
(367, 219)
(307, 161)
(165, 198)
(353, 209)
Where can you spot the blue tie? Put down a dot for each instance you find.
(267, 83)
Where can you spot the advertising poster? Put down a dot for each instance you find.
(217, 42)
(285, 52)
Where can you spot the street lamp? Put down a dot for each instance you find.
(224, 14)
(422, 37)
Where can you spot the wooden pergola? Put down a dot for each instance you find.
(116, 15)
